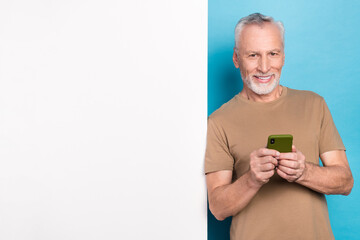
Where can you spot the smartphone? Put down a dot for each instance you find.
(282, 142)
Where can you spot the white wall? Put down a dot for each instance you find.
(102, 119)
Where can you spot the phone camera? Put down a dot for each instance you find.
(272, 141)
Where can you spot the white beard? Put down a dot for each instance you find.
(262, 88)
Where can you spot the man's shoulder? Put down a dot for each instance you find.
(226, 110)
(304, 95)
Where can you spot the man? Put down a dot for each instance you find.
(272, 195)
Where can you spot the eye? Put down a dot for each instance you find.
(273, 54)
(252, 55)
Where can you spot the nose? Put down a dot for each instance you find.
(264, 64)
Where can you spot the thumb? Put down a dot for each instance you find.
(293, 148)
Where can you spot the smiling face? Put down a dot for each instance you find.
(260, 57)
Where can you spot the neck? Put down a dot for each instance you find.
(252, 96)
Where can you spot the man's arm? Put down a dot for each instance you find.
(333, 178)
(226, 198)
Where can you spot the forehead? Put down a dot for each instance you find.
(256, 37)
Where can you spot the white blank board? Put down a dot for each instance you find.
(102, 119)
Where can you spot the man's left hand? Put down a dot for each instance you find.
(291, 165)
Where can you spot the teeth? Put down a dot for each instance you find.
(264, 78)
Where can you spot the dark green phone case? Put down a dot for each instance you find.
(282, 142)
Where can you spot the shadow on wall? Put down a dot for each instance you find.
(224, 82)
(218, 230)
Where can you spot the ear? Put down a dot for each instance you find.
(284, 59)
(236, 60)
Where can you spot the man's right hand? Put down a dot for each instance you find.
(262, 164)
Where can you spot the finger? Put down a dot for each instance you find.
(267, 167)
(289, 164)
(293, 148)
(288, 171)
(288, 156)
(267, 175)
(268, 159)
(281, 173)
(267, 152)
(285, 176)
(264, 177)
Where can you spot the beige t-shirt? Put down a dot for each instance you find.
(280, 210)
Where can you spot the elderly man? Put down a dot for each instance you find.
(272, 195)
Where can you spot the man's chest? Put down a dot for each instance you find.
(250, 132)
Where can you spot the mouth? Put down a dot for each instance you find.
(263, 79)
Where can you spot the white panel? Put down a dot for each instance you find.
(102, 119)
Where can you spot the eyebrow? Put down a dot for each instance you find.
(272, 50)
(276, 50)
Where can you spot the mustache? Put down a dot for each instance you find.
(263, 75)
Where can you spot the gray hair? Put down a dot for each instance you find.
(259, 19)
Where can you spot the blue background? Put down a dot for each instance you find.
(322, 54)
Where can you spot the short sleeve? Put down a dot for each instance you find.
(217, 155)
(329, 136)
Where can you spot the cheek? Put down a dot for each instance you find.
(278, 64)
(249, 67)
